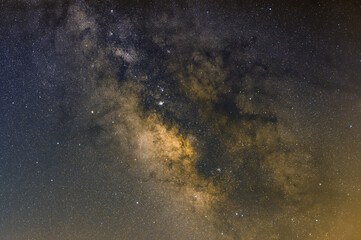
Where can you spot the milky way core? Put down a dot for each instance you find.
(180, 120)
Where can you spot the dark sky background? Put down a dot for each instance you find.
(180, 120)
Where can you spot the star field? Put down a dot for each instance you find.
(180, 120)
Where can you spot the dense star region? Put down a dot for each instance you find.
(180, 120)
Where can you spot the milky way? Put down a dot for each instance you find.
(185, 120)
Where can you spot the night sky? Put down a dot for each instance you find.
(131, 120)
